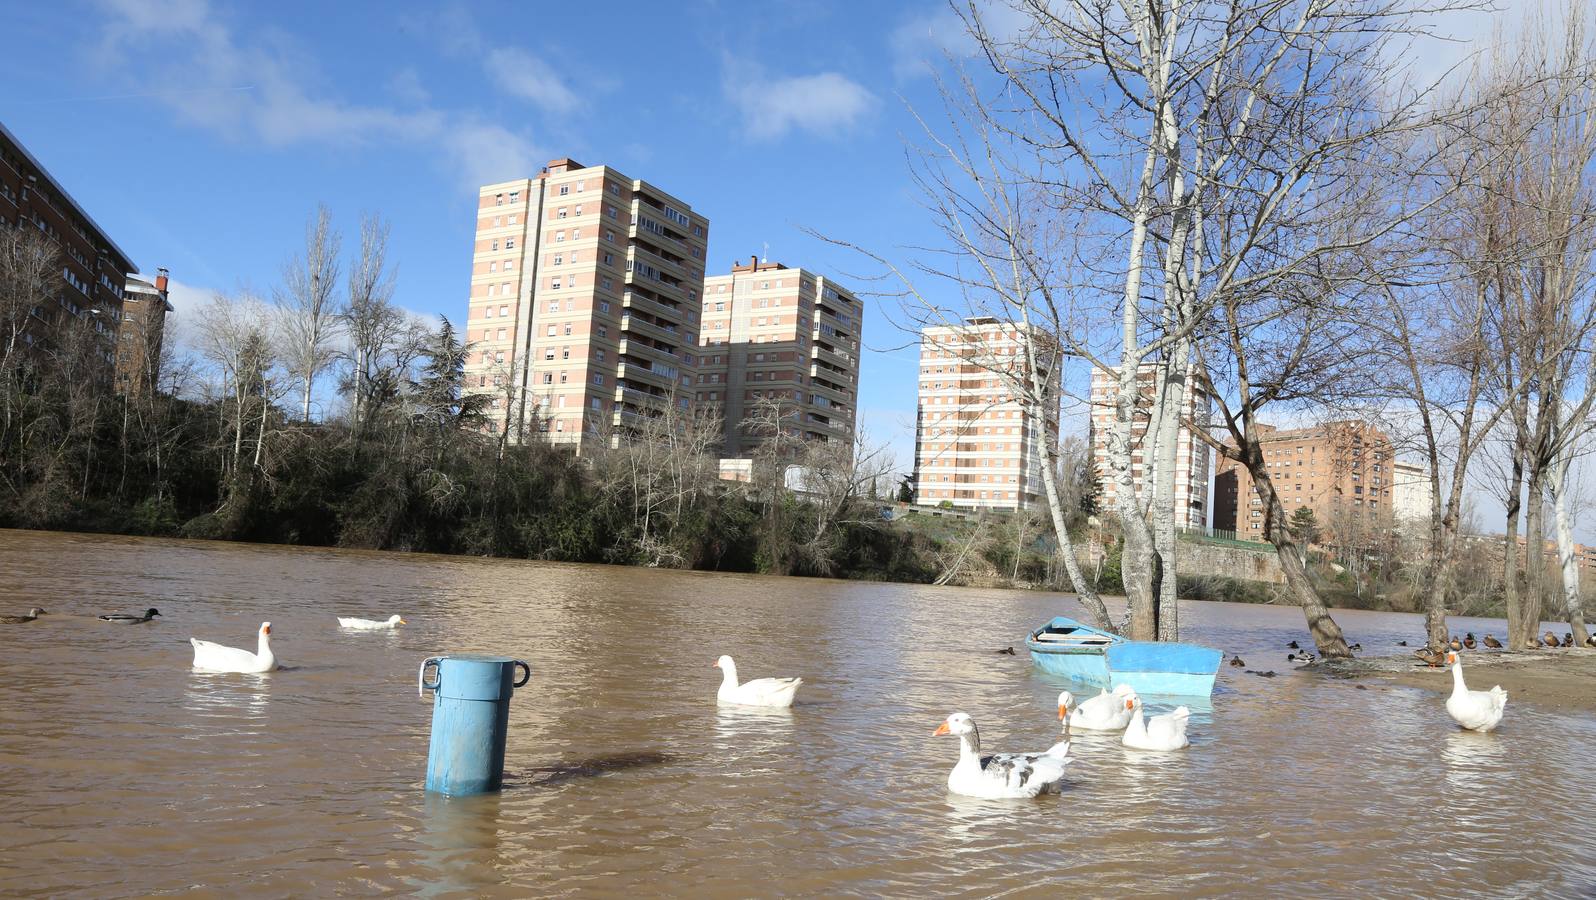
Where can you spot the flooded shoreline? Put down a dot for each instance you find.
(126, 774)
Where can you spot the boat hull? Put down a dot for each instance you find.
(1107, 661)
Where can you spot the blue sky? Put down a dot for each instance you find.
(201, 133)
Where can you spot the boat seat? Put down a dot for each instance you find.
(1089, 640)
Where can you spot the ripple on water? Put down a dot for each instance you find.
(124, 773)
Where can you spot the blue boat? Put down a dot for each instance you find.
(1104, 659)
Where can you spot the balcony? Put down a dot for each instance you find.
(818, 371)
(644, 375)
(632, 300)
(639, 398)
(838, 358)
(660, 355)
(656, 330)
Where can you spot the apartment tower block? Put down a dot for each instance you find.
(975, 447)
(1343, 472)
(778, 345)
(1192, 457)
(584, 305)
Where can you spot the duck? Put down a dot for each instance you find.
(209, 657)
(33, 613)
(1454, 643)
(1105, 712)
(1293, 646)
(1568, 639)
(1474, 710)
(1002, 776)
(1402, 643)
(1468, 641)
(1431, 657)
(1006, 651)
(1492, 643)
(1551, 641)
(371, 624)
(1590, 640)
(1164, 732)
(131, 618)
(1355, 647)
(1306, 659)
(776, 692)
(1236, 662)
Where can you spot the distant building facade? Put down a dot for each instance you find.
(584, 303)
(1192, 457)
(1341, 471)
(778, 348)
(93, 268)
(975, 447)
(1411, 493)
(141, 333)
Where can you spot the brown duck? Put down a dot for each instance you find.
(1468, 640)
(1493, 643)
(1568, 639)
(1455, 644)
(1551, 640)
(1431, 657)
(33, 613)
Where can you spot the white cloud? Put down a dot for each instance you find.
(920, 43)
(824, 104)
(259, 88)
(523, 75)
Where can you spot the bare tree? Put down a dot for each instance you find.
(309, 314)
(373, 324)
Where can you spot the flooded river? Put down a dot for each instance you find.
(123, 773)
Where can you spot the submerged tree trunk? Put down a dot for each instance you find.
(1516, 638)
(1327, 636)
(1572, 603)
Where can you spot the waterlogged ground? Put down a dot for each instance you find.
(122, 773)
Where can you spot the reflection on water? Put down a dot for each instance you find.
(124, 773)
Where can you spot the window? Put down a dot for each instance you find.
(576, 210)
(553, 329)
(604, 306)
(596, 404)
(511, 220)
(609, 284)
(567, 327)
(609, 236)
(554, 283)
(576, 234)
(559, 236)
(564, 189)
(563, 378)
(599, 353)
(504, 310)
(515, 196)
(498, 200)
(548, 377)
(509, 243)
(565, 353)
(559, 259)
(598, 379)
(615, 189)
(548, 353)
(509, 264)
(493, 267)
(501, 334)
(495, 245)
(609, 259)
(561, 213)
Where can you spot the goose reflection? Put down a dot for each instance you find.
(1473, 760)
(242, 699)
(750, 731)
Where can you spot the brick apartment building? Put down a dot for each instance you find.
(1192, 456)
(778, 344)
(1342, 471)
(93, 268)
(584, 303)
(974, 445)
(141, 332)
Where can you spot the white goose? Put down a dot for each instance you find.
(776, 692)
(1105, 712)
(1474, 710)
(1165, 732)
(370, 624)
(209, 657)
(1002, 776)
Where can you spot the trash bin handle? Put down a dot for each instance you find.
(524, 678)
(422, 684)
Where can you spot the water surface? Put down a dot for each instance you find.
(123, 773)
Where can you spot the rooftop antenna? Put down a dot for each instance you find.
(766, 257)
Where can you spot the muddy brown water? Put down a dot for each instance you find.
(123, 773)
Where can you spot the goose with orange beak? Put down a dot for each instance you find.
(1164, 732)
(209, 657)
(1474, 710)
(1003, 776)
(1105, 712)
